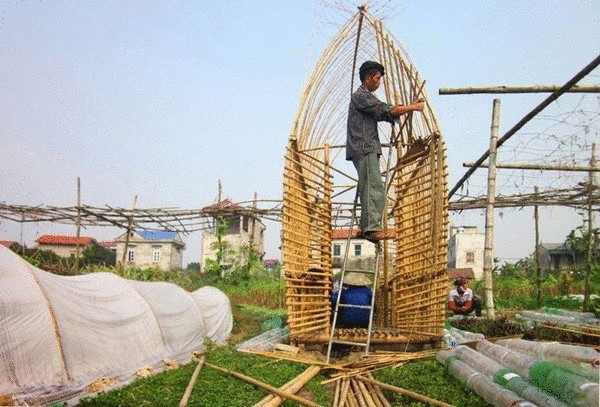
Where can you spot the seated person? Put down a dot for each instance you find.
(356, 291)
(461, 300)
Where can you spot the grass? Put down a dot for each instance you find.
(252, 304)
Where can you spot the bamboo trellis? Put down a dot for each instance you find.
(318, 192)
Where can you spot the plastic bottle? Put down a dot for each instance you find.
(480, 383)
(581, 360)
(267, 340)
(463, 336)
(449, 339)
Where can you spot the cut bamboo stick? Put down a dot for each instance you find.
(191, 384)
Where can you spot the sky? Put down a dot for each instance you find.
(164, 99)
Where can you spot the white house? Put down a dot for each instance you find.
(361, 254)
(244, 229)
(152, 248)
(465, 249)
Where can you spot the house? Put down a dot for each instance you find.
(64, 246)
(557, 256)
(8, 243)
(465, 249)
(151, 248)
(244, 230)
(361, 254)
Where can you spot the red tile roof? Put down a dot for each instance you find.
(64, 240)
(108, 244)
(7, 243)
(343, 233)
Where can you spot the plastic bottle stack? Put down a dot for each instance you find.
(585, 317)
(506, 377)
(480, 383)
(581, 360)
(267, 340)
(571, 388)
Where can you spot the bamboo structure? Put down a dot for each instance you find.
(318, 191)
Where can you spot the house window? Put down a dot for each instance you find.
(156, 254)
(357, 249)
(131, 255)
(470, 257)
(337, 250)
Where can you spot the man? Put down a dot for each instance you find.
(461, 300)
(363, 147)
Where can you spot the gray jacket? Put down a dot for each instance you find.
(363, 114)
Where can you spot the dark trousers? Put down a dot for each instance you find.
(476, 306)
(370, 191)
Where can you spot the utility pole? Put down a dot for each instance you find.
(488, 253)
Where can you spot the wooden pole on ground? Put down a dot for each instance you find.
(275, 390)
(488, 256)
(293, 386)
(191, 384)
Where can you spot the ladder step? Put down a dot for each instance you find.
(354, 306)
(349, 343)
(360, 271)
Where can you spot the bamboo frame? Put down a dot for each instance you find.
(412, 295)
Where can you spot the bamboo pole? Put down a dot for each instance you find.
(540, 167)
(517, 89)
(78, 225)
(293, 386)
(538, 254)
(539, 108)
(130, 222)
(280, 393)
(488, 258)
(191, 384)
(405, 392)
(591, 248)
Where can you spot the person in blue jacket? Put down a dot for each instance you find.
(355, 291)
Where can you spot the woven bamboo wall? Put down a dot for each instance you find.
(319, 187)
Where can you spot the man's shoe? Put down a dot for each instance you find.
(372, 236)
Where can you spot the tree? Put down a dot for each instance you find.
(94, 254)
(512, 270)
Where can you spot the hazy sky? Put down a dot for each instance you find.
(161, 99)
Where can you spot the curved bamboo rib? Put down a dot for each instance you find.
(315, 166)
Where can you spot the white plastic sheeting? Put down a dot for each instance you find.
(59, 334)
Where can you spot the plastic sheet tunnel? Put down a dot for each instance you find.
(58, 334)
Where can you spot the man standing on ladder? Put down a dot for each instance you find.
(363, 147)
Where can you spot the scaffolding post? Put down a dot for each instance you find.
(488, 252)
(592, 245)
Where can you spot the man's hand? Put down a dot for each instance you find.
(418, 104)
